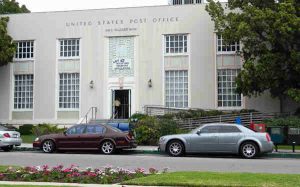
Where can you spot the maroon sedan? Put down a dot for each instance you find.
(86, 137)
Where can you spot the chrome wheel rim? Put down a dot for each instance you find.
(107, 147)
(175, 148)
(47, 146)
(249, 150)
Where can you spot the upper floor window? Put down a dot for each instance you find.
(176, 43)
(24, 49)
(180, 2)
(69, 48)
(222, 47)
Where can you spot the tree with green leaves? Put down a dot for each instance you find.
(7, 47)
(269, 31)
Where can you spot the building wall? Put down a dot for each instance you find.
(147, 27)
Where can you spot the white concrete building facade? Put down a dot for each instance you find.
(68, 62)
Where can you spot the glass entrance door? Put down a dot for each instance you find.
(121, 104)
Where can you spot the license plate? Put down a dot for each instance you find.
(15, 136)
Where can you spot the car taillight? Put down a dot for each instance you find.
(129, 136)
(6, 135)
(268, 137)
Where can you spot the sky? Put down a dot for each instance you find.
(61, 5)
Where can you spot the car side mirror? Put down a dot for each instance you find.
(65, 133)
(198, 132)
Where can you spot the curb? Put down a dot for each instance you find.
(156, 152)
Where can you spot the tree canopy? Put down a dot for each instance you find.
(269, 31)
(7, 47)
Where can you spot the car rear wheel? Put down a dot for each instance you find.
(107, 147)
(7, 148)
(248, 150)
(175, 148)
(48, 146)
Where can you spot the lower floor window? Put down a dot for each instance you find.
(23, 92)
(69, 90)
(227, 96)
(176, 88)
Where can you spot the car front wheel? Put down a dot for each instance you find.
(175, 148)
(48, 146)
(107, 147)
(248, 150)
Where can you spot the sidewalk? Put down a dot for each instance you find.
(63, 184)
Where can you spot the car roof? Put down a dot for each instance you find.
(220, 124)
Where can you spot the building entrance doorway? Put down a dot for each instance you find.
(121, 104)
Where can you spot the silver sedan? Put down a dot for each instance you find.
(9, 138)
(218, 138)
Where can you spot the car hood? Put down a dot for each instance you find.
(176, 136)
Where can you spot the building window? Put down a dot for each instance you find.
(24, 50)
(69, 48)
(176, 43)
(227, 96)
(221, 47)
(177, 2)
(176, 88)
(180, 2)
(23, 92)
(69, 90)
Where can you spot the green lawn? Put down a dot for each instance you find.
(213, 179)
(28, 138)
(288, 147)
(3, 168)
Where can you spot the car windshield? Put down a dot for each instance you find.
(2, 128)
(194, 130)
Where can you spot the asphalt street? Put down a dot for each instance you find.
(131, 161)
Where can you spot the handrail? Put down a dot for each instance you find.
(93, 111)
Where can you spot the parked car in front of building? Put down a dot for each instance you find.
(101, 137)
(9, 138)
(218, 138)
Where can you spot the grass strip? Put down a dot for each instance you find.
(28, 138)
(214, 179)
(288, 147)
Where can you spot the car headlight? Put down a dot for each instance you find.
(37, 139)
(162, 139)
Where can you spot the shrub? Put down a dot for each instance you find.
(26, 129)
(43, 129)
(137, 117)
(291, 121)
(147, 131)
(150, 129)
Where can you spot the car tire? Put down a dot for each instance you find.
(175, 148)
(7, 148)
(48, 146)
(107, 147)
(249, 150)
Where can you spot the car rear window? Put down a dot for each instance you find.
(115, 129)
(229, 129)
